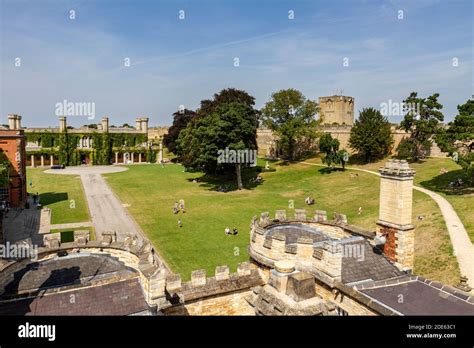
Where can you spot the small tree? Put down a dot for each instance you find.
(330, 146)
(181, 119)
(371, 135)
(292, 117)
(421, 121)
(458, 138)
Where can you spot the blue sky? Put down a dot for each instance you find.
(180, 62)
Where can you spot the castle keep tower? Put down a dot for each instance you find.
(394, 223)
(337, 109)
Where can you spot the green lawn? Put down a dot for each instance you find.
(428, 176)
(67, 234)
(201, 243)
(62, 193)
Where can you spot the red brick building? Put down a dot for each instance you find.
(12, 145)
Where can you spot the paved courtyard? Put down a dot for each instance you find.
(105, 209)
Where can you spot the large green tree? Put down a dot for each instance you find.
(231, 126)
(181, 118)
(458, 138)
(422, 121)
(292, 118)
(225, 96)
(371, 135)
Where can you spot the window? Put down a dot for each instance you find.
(4, 194)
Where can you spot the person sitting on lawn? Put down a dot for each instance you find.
(181, 205)
(227, 231)
(175, 208)
(309, 200)
(235, 231)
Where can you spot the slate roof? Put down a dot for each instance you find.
(119, 298)
(294, 231)
(372, 266)
(61, 271)
(422, 297)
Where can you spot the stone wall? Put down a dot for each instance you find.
(266, 140)
(154, 133)
(341, 300)
(323, 259)
(222, 294)
(227, 304)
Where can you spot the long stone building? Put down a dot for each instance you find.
(93, 144)
(126, 145)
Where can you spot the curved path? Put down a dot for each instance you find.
(462, 246)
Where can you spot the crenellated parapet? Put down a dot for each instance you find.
(313, 242)
(201, 286)
(141, 258)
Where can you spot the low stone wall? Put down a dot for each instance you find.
(141, 259)
(222, 294)
(228, 304)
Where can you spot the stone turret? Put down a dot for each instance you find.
(138, 124)
(144, 124)
(14, 121)
(105, 124)
(62, 124)
(395, 214)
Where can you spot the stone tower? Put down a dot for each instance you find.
(105, 124)
(337, 109)
(14, 122)
(395, 215)
(144, 124)
(62, 124)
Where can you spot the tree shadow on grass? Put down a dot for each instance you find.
(441, 183)
(328, 170)
(53, 197)
(229, 182)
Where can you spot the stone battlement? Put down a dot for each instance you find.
(200, 286)
(142, 259)
(318, 251)
(397, 168)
